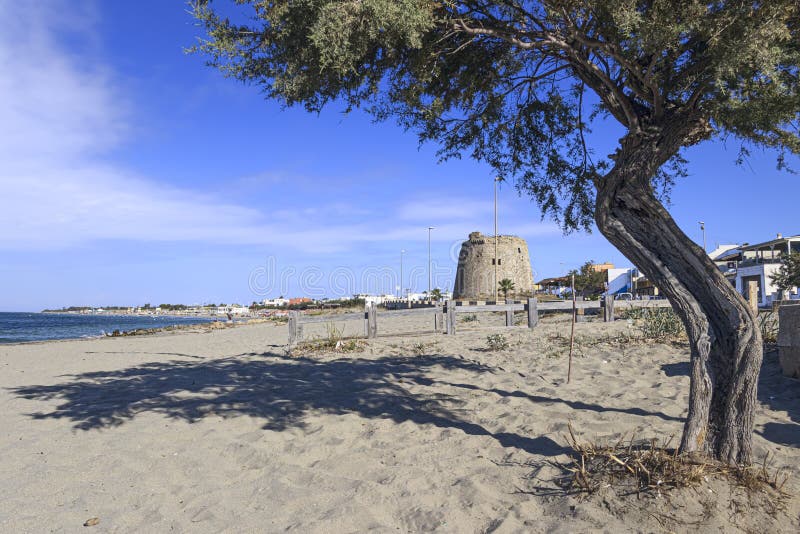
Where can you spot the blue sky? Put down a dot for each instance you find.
(132, 173)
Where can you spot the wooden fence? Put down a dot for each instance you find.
(445, 316)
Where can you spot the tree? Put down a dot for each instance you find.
(517, 84)
(436, 294)
(788, 276)
(588, 280)
(506, 285)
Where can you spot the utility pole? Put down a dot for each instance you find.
(703, 229)
(429, 260)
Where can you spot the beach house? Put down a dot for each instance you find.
(759, 262)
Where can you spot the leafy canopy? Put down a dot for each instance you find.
(589, 279)
(517, 83)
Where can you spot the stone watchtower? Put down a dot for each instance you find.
(475, 277)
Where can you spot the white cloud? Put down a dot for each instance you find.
(60, 114)
(52, 107)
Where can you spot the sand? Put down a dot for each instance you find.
(224, 431)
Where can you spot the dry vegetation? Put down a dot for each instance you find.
(768, 323)
(333, 341)
(647, 467)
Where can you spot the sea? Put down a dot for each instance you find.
(25, 327)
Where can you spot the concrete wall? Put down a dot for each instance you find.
(475, 277)
(789, 340)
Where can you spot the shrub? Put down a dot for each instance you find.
(655, 323)
(471, 318)
(661, 323)
(768, 323)
(496, 342)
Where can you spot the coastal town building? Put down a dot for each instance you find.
(759, 262)
(374, 299)
(233, 309)
(740, 264)
(276, 302)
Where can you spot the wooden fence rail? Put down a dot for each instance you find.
(532, 307)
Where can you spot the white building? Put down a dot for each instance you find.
(233, 309)
(374, 299)
(620, 280)
(275, 303)
(760, 261)
(630, 281)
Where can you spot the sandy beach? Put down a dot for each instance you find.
(224, 431)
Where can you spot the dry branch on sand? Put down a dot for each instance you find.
(645, 468)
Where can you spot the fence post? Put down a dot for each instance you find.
(366, 319)
(292, 328)
(608, 312)
(533, 313)
(451, 318)
(438, 318)
(509, 313)
(374, 320)
(752, 295)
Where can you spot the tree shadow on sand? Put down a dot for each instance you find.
(278, 389)
(776, 391)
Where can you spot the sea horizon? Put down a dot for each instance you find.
(30, 327)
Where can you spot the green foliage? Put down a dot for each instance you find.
(657, 324)
(506, 286)
(517, 84)
(495, 342)
(436, 294)
(173, 307)
(589, 281)
(788, 276)
(471, 318)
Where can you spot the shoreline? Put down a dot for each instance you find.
(142, 332)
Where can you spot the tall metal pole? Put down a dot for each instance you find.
(703, 228)
(401, 273)
(495, 238)
(429, 260)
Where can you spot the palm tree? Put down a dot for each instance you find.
(506, 285)
(436, 294)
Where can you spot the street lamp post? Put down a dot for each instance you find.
(429, 260)
(703, 229)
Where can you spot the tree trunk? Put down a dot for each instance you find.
(726, 345)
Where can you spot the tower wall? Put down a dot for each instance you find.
(475, 277)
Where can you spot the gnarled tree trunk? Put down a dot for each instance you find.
(726, 345)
